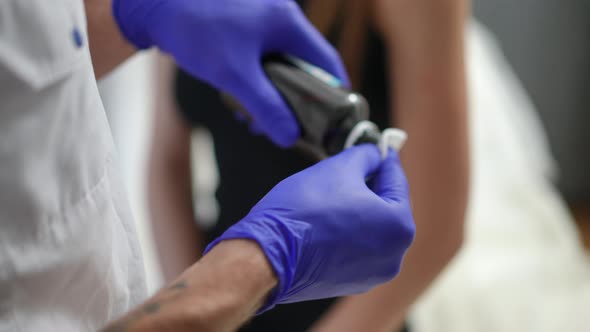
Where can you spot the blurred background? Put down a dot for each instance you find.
(529, 71)
(546, 43)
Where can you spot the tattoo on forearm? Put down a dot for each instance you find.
(179, 285)
(150, 308)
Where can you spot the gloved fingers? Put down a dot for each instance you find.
(268, 109)
(255, 129)
(303, 40)
(390, 182)
(358, 162)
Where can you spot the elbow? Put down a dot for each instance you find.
(454, 244)
(455, 217)
(444, 248)
(451, 243)
(442, 240)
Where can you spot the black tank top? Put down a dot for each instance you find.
(249, 165)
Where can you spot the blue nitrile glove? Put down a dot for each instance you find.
(222, 42)
(326, 232)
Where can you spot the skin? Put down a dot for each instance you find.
(219, 293)
(107, 46)
(425, 43)
(581, 214)
(425, 53)
(179, 240)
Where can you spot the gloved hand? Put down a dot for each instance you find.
(326, 232)
(222, 42)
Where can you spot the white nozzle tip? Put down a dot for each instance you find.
(392, 138)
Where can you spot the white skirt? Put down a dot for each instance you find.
(522, 267)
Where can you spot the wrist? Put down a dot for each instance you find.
(218, 293)
(242, 279)
(277, 244)
(253, 273)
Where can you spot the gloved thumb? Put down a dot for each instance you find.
(390, 182)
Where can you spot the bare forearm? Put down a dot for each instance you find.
(429, 97)
(108, 47)
(219, 293)
(177, 236)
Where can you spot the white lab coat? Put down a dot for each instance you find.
(69, 258)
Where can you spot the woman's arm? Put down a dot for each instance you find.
(425, 43)
(177, 236)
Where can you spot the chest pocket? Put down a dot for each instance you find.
(41, 41)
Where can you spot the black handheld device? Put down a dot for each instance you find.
(326, 112)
